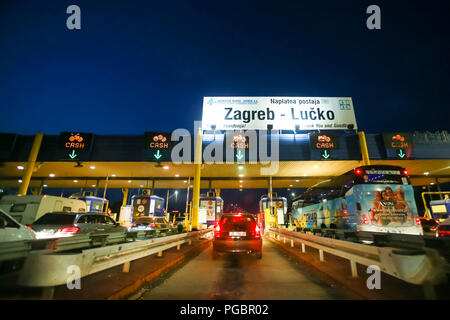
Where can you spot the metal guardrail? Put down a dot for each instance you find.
(421, 267)
(49, 269)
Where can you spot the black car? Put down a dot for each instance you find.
(237, 233)
(66, 224)
(443, 230)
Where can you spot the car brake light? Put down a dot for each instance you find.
(418, 221)
(365, 220)
(443, 233)
(152, 225)
(217, 230)
(358, 171)
(30, 228)
(69, 230)
(437, 221)
(405, 172)
(133, 224)
(257, 231)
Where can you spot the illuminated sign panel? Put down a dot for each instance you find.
(324, 142)
(158, 146)
(320, 141)
(398, 144)
(75, 140)
(76, 145)
(282, 113)
(240, 141)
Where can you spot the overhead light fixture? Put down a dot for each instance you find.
(45, 186)
(316, 166)
(240, 167)
(20, 180)
(432, 183)
(177, 175)
(141, 186)
(305, 174)
(293, 194)
(185, 181)
(240, 186)
(92, 167)
(240, 181)
(76, 181)
(166, 167)
(129, 181)
(113, 175)
(241, 175)
(93, 186)
(51, 175)
(20, 167)
(426, 173)
(297, 180)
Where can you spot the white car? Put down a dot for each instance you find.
(11, 230)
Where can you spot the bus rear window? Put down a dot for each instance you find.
(377, 176)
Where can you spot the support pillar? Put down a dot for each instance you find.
(30, 164)
(364, 150)
(197, 177)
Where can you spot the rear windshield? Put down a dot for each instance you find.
(430, 222)
(52, 218)
(230, 220)
(382, 176)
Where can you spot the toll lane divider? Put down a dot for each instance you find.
(49, 269)
(421, 267)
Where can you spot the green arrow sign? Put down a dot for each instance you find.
(325, 154)
(401, 154)
(157, 155)
(239, 155)
(72, 155)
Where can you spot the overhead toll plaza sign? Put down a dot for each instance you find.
(76, 145)
(324, 143)
(279, 113)
(158, 146)
(398, 145)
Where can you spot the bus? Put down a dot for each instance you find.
(376, 198)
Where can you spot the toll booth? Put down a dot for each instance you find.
(210, 208)
(440, 209)
(94, 204)
(147, 205)
(278, 216)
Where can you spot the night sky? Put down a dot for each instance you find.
(137, 66)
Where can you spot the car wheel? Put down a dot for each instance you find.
(259, 255)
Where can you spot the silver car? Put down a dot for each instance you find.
(66, 224)
(149, 224)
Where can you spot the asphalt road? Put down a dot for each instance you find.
(241, 277)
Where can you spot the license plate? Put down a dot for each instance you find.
(237, 234)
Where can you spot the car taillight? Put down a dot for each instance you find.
(30, 228)
(257, 231)
(437, 221)
(217, 230)
(365, 220)
(443, 233)
(405, 172)
(418, 221)
(152, 225)
(133, 224)
(69, 230)
(358, 171)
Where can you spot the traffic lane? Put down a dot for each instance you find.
(242, 277)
